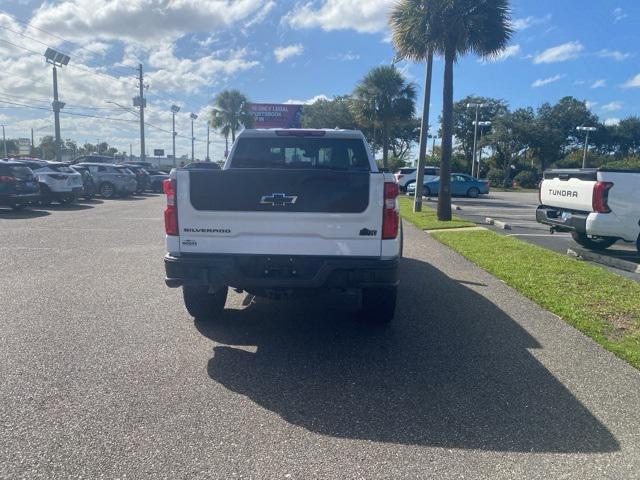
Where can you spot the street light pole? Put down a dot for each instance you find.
(193, 139)
(57, 59)
(587, 130)
(174, 109)
(477, 106)
(481, 125)
(208, 142)
(4, 143)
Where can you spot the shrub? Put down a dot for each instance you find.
(527, 179)
(497, 179)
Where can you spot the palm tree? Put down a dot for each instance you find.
(382, 99)
(225, 133)
(410, 42)
(231, 111)
(453, 28)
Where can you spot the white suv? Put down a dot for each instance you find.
(404, 180)
(58, 182)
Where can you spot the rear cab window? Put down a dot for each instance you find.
(301, 153)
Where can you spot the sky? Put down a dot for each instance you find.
(283, 51)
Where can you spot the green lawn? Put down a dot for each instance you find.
(601, 304)
(426, 220)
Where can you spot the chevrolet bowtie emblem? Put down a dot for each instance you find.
(278, 199)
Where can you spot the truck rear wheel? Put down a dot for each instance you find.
(378, 305)
(204, 305)
(593, 242)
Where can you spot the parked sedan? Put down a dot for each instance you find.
(462, 185)
(18, 185)
(111, 179)
(58, 182)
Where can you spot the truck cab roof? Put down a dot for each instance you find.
(301, 132)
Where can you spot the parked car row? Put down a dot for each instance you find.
(30, 181)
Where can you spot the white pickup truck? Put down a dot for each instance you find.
(598, 206)
(292, 212)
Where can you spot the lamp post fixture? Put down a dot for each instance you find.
(193, 139)
(174, 109)
(481, 125)
(587, 130)
(57, 59)
(477, 106)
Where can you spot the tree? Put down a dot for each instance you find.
(334, 113)
(509, 138)
(453, 28)
(463, 118)
(231, 109)
(382, 101)
(409, 21)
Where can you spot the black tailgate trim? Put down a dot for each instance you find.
(315, 191)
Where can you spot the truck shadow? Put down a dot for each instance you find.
(453, 371)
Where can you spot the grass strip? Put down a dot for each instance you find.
(601, 304)
(427, 219)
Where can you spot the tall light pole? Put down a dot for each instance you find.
(208, 142)
(477, 106)
(174, 109)
(56, 59)
(193, 139)
(587, 130)
(4, 143)
(481, 125)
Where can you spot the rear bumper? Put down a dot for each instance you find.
(19, 198)
(569, 222)
(250, 272)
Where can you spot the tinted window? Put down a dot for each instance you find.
(21, 172)
(301, 153)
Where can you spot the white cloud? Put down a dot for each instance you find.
(560, 53)
(189, 75)
(510, 51)
(618, 15)
(290, 51)
(345, 57)
(308, 101)
(143, 21)
(546, 81)
(591, 105)
(370, 17)
(633, 82)
(599, 84)
(617, 55)
(524, 23)
(91, 51)
(610, 122)
(612, 106)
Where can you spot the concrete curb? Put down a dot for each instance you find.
(604, 260)
(497, 223)
(453, 205)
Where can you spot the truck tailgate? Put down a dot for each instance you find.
(276, 211)
(570, 190)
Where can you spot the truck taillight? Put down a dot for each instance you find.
(7, 179)
(601, 197)
(390, 214)
(171, 210)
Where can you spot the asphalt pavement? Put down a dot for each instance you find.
(518, 209)
(104, 375)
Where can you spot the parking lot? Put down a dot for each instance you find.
(104, 375)
(518, 210)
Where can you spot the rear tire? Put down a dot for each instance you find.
(378, 305)
(593, 242)
(426, 192)
(107, 190)
(473, 193)
(45, 196)
(18, 206)
(203, 305)
(67, 199)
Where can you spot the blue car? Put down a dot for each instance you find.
(462, 185)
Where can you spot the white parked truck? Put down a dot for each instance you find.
(292, 212)
(598, 206)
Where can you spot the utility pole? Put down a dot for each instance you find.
(141, 103)
(174, 109)
(193, 139)
(130, 151)
(208, 142)
(4, 143)
(32, 152)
